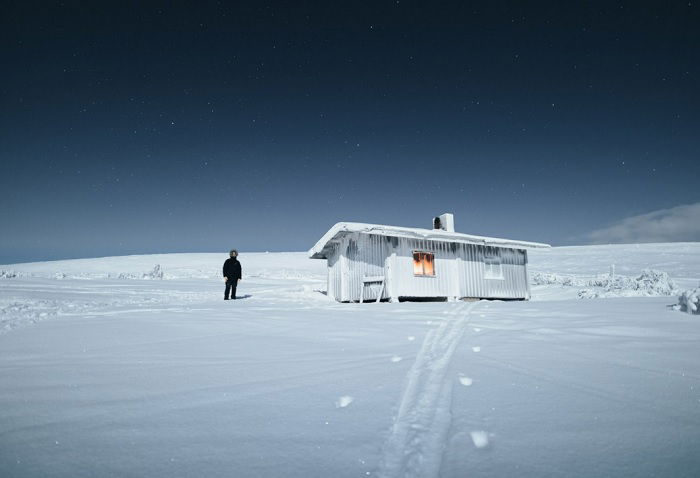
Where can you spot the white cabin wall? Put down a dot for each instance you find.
(514, 282)
(410, 285)
(459, 269)
(472, 271)
(365, 256)
(469, 272)
(334, 272)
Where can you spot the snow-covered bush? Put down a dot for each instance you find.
(155, 273)
(7, 274)
(124, 275)
(589, 294)
(650, 283)
(656, 283)
(544, 278)
(689, 301)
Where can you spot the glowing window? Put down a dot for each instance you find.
(423, 263)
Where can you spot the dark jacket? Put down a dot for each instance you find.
(232, 269)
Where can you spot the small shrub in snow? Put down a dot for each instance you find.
(656, 282)
(7, 274)
(124, 275)
(544, 278)
(156, 273)
(588, 294)
(689, 301)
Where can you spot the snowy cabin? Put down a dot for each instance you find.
(375, 262)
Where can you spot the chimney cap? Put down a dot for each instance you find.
(445, 222)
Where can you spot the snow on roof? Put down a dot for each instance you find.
(342, 228)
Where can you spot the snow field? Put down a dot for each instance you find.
(109, 370)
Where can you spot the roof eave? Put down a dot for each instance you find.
(319, 249)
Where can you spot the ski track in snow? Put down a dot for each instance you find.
(419, 434)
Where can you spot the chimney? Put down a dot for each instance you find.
(446, 222)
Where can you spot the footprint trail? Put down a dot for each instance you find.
(419, 434)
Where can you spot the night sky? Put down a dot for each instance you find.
(130, 128)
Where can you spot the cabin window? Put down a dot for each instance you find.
(423, 263)
(493, 268)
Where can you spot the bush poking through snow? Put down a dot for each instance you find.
(544, 278)
(689, 301)
(650, 283)
(156, 273)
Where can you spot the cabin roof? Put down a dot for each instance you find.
(320, 250)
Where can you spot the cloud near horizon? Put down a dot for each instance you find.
(676, 224)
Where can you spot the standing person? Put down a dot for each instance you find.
(232, 274)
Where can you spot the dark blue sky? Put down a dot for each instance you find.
(171, 127)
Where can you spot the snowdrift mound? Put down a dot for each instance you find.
(689, 301)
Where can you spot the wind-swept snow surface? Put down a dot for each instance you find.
(116, 367)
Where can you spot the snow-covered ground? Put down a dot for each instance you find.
(108, 370)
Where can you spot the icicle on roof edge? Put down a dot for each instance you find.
(341, 228)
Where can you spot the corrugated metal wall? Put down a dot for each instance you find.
(335, 272)
(366, 255)
(475, 283)
(443, 284)
(459, 269)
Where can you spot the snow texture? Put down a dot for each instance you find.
(466, 381)
(343, 401)
(480, 438)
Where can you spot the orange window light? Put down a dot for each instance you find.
(423, 263)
